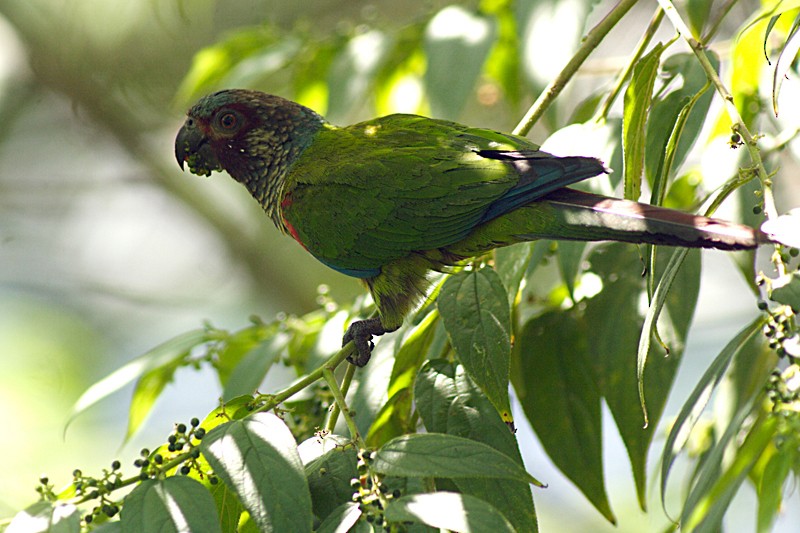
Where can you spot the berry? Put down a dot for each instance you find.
(115, 465)
(195, 422)
(185, 470)
(181, 428)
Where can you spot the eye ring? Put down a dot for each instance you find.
(228, 121)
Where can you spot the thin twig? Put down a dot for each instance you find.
(330, 425)
(655, 22)
(590, 42)
(338, 397)
(273, 400)
(739, 126)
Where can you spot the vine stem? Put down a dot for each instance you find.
(739, 126)
(338, 397)
(273, 400)
(554, 88)
(336, 408)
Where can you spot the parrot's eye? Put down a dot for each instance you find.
(228, 121)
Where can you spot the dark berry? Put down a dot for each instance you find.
(195, 422)
(181, 428)
(158, 459)
(115, 465)
(185, 470)
(200, 433)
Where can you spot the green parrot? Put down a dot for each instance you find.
(392, 199)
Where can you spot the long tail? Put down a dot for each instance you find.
(567, 214)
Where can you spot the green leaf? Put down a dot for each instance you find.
(164, 356)
(474, 309)
(253, 367)
(238, 345)
(353, 71)
(786, 58)
(511, 263)
(257, 458)
(229, 508)
(707, 502)
(570, 254)
(44, 517)
(341, 520)
(440, 455)
(457, 43)
(175, 503)
(637, 102)
(395, 417)
(676, 119)
(696, 402)
(330, 472)
(770, 488)
(648, 329)
(788, 292)
(449, 402)
(146, 392)
(448, 510)
(212, 64)
(613, 338)
(560, 398)
(698, 11)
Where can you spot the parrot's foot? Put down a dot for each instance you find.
(361, 333)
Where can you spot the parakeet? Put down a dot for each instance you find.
(392, 199)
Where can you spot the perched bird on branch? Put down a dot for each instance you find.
(391, 199)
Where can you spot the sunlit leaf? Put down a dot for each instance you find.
(175, 503)
(448, 510)
(257, 457)
(341, 520)
(45, 517)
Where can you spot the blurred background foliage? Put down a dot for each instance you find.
(107, 249)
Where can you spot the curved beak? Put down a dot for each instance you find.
(192, 147)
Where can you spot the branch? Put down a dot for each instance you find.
(590, 42)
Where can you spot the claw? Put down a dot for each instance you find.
(361, 333)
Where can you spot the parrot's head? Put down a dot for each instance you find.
(252, 135)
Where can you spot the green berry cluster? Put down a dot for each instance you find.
(371, 493)
(782, 331)
(783, 391)
(92, 488)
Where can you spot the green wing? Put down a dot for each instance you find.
(362, 196)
